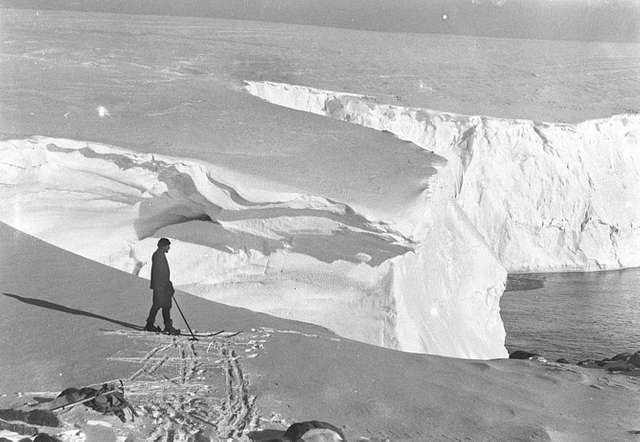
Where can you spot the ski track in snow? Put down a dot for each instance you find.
(187, 387)
(296, 332)
(180, 388)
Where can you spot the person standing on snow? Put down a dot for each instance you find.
(162, 289)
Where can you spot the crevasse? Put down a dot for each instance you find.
(544, 196)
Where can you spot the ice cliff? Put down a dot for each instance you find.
(415, 263)
(544, 196)
(293, 255)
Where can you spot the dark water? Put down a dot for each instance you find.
(575, 316)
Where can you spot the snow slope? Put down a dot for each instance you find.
(70, 322)
(544, 196)
(296, 256)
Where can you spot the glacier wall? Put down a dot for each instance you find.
(544, 196)
(293, 255)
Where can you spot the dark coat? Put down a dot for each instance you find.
(160, 275)
(160, 282)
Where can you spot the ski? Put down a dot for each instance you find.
(220, 333)
(196, 334)
(230, 334)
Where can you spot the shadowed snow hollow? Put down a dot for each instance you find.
(293, 255)
(544, 196)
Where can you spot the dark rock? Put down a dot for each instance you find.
(618, 369)
(635, 359)
(298, 430)
(36, 417)
(18, 427)
(563, 361)
(201, 436)
(591, 363)
(519, 354)
(624, 363)
(621, 357)
(42, 417)
(44, 437)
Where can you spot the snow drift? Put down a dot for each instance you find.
(544, 196)
(293, 255)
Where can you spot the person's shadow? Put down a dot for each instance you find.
(73, 311)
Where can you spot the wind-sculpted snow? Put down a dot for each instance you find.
(544, 196)
(293, 255)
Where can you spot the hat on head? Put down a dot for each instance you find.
(163, 242)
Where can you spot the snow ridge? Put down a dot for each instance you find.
(544, 196)
(292, 255)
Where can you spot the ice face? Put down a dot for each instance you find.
(544, 196)
(294, 255)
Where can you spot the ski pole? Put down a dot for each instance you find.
(193, 337)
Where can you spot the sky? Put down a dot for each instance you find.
(590, 20)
